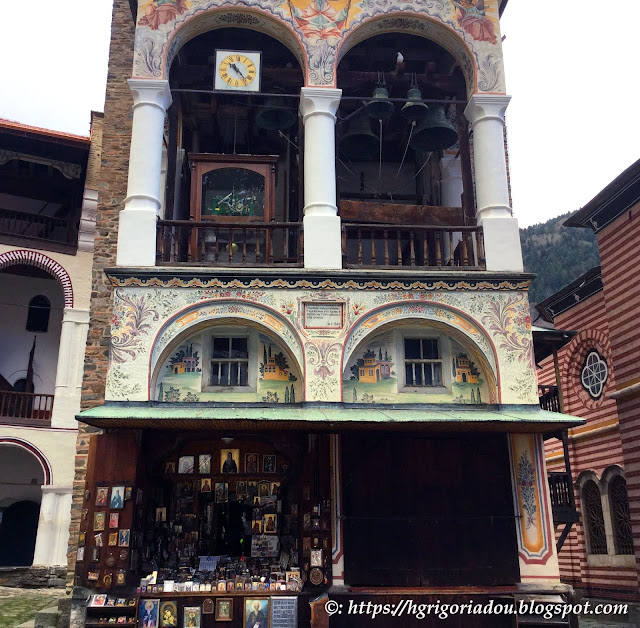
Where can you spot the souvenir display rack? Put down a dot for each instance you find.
(108, 610)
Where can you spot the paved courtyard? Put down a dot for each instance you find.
(20, 605)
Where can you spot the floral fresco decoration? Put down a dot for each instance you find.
(131, 321)
(526, 479)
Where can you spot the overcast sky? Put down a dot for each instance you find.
(570, 68)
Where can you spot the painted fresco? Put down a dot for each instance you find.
(319, 32)
(181, 376)
(488, 321)
(372, 374)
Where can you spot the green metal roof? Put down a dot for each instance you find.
(336, 417)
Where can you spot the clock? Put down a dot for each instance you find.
(237, 71)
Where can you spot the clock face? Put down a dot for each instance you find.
(237, 70)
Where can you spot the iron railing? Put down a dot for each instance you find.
(36, 227)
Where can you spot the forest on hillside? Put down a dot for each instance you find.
(557, 255)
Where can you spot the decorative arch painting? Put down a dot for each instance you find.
(316, 30)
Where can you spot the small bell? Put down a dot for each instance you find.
(414, 109)
(380, 107)
(434, 132)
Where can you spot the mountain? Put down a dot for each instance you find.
(557, 255)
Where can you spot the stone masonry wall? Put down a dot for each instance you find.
(116, 137)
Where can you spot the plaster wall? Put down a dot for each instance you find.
(17, 291)
(57, 446)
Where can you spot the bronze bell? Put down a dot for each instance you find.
(434, 132)
(414, 110)
(275, 117)
(380, 107)
(360, 143)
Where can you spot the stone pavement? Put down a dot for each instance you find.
(20, 605)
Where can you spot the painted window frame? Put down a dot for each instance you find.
(603, 382)
(252, 361)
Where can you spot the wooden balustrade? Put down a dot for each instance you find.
(391, 246)
(207, 243)
(549, 398)
(36, 227)
(30, 407)
(560, 489)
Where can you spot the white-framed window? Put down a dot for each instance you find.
(594, 374)
(423, 357)
(230, 360)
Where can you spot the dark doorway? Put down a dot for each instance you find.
(428, 510)
(18, 534)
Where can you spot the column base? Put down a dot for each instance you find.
(137, 238)
(502, 244)
(322, 242)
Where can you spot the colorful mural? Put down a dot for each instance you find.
(535, 538)
(184, 378)
(374, 376)
(319, 32)
(487, 324)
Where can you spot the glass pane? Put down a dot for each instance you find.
(244, 379)
(430, 349)
(412, 349)
(232, 192)
(233, 374)
(239, 348)
(221, 347)
(428, 375)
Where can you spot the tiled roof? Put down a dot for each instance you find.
(12, 125)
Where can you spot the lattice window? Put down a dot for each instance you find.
(620, 517)
(594, 519)
(422, 362)
(229, 361)
(594, 374)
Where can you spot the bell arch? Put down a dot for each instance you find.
(223, 313)
(207, 19)
(415, 24)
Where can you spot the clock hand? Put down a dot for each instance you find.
(235, 67)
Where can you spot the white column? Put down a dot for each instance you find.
(53, 527)
(485, 112)
(322, 237)
(73, 340)
(137, 223)
(450, 181)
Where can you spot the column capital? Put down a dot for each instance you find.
(486, 107)
(154, 92)
(75, 315)
(318, 100)
(57, 489)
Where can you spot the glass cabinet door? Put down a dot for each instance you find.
(233, 192)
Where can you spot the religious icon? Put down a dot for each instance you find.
(251, 463)
(204, 464)
(224, 609)
(229, 460)
(102, 492)
(98, 521)
(117, 497)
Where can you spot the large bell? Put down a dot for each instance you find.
(414, 110)
(435, 132)
(275, 117)
(360, 143)
(379, 107)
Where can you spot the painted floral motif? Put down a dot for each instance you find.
(320, 21)
(324, 355)
(506, 318)
(126, 339)
(159, 12)
(470, 15)
(119, 381)
(526, 482)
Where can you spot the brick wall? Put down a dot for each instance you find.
(116, 135)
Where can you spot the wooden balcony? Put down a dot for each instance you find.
(25, 408)
(412, 246)
(549, 398)
(562, 498)
(205, 243)
(37, 231)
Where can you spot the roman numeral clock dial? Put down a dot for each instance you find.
(237, 71)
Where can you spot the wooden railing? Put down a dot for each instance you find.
(206, 243)
(549, 398)
(26, 406)
(35, 227)
(420, 246)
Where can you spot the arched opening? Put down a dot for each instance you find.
(227, 360)
(32, 323)
(233, 167)
(414, 361)
(403, 155)
(20, 496)
(595, 532)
